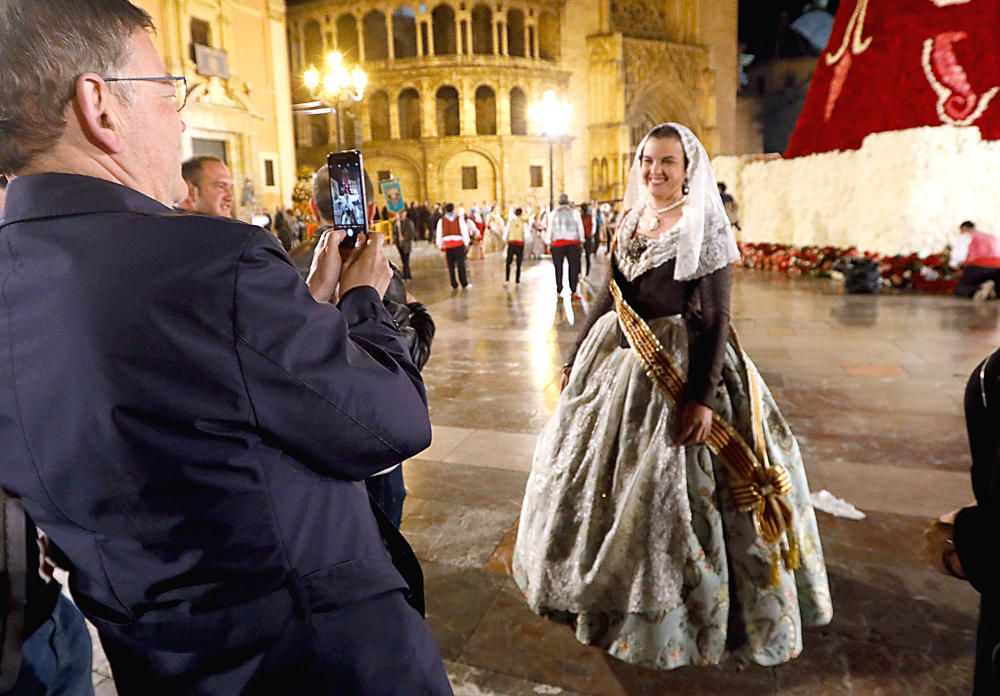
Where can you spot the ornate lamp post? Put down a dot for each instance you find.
(333, 88)
(551, 117)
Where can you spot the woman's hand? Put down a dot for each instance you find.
(696, 422)
(939, 550)
(564, 377)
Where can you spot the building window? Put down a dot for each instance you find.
(448, 121)
(518, 112)
(384, 174)
(213, 148)
(409, 114)
(469, 179)
(376, 37)
(313, 38)
(347, 37)
(486, 111)
(426, 41)
(536, 176)
(515, 33)
(404, 33)
(378, 111)
(482, 30)
(548, 36)
(269, 178)
(443, 20)
(201, 34)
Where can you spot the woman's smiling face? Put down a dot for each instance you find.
(662, 168)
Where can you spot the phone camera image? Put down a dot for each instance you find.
(348, 193)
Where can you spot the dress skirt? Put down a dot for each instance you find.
(635, 542)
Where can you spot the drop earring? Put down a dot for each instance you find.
(685, 189)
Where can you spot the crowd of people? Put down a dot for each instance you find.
(209, 429)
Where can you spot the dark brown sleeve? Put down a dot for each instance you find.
(709, 350)
(602, 305)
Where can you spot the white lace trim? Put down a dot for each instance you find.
(716, 249)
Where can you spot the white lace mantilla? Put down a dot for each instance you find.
(715, 249)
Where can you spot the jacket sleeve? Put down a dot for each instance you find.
(333, 386)
(975, 542)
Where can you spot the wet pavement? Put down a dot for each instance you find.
(872, 387)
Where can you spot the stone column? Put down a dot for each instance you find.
(504, 48)
(393, 116)
(389, 38)
(366, 124)
(420, 37)
(428, 109)
(361, 39)
(503, 107)
(430, 37)
(467, 107)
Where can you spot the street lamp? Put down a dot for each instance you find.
(551, 116)
(332, 88)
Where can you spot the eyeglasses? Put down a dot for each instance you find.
(179, 82)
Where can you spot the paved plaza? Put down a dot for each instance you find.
(872, 387)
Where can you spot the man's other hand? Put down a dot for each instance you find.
(324, 273)
(366, 266)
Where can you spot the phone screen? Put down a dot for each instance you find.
(347, 189)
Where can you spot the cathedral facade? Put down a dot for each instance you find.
(452, 83)
(235, 58)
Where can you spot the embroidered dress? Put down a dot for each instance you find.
(636, 542)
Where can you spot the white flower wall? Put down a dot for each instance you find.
(903, 191)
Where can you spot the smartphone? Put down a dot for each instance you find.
(347, 189)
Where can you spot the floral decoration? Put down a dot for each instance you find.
(931, 273)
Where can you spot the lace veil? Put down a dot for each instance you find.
(706, 242)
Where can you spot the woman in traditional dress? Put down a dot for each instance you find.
(667, 517)
(476, 229)
(495, 228)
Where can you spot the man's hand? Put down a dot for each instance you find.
(938, 545)
(696, 422)
(366, 266)
(324, 273)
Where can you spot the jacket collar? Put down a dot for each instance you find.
(37, 196)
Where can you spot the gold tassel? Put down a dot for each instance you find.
(775, 569)
(792, 559)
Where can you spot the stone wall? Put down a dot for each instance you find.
(250, 110)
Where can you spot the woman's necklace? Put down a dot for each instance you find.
(653, 224)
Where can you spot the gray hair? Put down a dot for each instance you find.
(322, 194)
(46, 46)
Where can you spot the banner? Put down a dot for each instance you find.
(393, 193)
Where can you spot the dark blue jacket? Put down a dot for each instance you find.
(186, 423)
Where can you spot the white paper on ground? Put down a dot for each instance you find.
(838, 507)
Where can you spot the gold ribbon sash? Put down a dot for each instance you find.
(757, 487)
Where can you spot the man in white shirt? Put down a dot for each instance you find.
(452, 237)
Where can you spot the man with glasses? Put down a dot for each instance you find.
(189, 422)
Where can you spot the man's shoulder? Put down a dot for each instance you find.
(222, 228)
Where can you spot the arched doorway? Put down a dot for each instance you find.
(469, 178)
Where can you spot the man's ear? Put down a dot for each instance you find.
(96, 110)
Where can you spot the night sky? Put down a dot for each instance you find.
(763, 27)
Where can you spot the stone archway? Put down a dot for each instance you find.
(658, 103)
(402, 168)
(456, 176)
